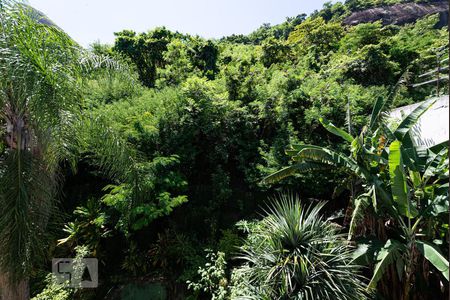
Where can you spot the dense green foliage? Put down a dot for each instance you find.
(163, 140)
(39, 92)
(292, 253)
(295, 253)
(402, 184)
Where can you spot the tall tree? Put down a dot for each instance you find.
(39, 95)
(145, 50)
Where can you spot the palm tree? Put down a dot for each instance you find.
(295, 253)
(41, 71)
(42, 123)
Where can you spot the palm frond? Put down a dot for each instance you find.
(104, 148)
(27, 193)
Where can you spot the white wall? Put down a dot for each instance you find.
(433, 126)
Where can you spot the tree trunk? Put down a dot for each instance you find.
(17, 137)
(9, 291)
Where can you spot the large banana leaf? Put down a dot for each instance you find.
(330, 157)
(434, 257)
(436, 163)
(366, 250)
(398, 180)
(360, 205)
(335, 130)
(438, 147)
(414, 157)
(438, 205)
(412, 119)
(291, 170)
(310, 158)
(388, 254)
(296, 148)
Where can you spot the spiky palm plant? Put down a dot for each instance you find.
(295, 253)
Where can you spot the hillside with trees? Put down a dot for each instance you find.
(260, 166)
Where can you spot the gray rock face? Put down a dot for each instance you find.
(400, 14)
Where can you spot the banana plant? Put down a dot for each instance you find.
(404, 186)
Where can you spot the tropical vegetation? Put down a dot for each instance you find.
(260, 166)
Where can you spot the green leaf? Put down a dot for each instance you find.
(387, 255)
(438, 147)
(412, 155)
(398, 180)
(291, 170)
(296, 148)
(329, 157)
(415, 178)
(365, 251)
(439, 205)
(335, 130)
(360, 254)
(396, 172)
(411, 119)
(435, 161)
(376, 111)
(434, 257)
(360, 205)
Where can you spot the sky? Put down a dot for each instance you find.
(87, 21)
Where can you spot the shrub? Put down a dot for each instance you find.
(295, 253)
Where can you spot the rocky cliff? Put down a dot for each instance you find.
(400, 14)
